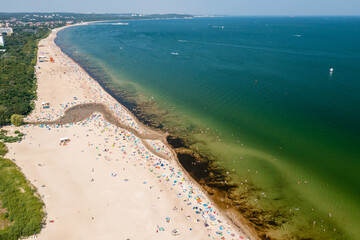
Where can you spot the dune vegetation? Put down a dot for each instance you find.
(21, 209)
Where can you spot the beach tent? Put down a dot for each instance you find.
(64, 140)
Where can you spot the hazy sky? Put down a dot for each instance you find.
(228, 7)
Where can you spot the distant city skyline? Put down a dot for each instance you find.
(201, 7)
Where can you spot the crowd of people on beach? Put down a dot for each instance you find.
(117, 142)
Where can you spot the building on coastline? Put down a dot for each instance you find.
(2, 41)
(6, 31)
(43, 59)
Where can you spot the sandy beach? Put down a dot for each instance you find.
(107, 182)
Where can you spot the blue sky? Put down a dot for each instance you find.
(226, 7)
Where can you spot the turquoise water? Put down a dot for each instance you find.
(257, 95)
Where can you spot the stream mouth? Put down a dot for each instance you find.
(84, 111)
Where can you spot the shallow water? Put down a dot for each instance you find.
(255, 94)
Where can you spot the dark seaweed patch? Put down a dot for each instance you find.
(175, 142)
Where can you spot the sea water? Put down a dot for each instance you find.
(257, 95)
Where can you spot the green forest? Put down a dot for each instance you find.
(21, 210)
(17, 79)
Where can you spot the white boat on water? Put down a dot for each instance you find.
(175, 53)
(331, 69)
(222, 27)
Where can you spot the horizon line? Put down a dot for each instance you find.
(194, 15)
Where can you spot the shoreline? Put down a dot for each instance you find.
(42, 135)
(242, 224)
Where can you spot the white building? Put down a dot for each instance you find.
(1, 41)
(6, 31)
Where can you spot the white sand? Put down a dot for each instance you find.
(104, 184)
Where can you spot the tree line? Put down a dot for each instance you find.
(17, 73)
